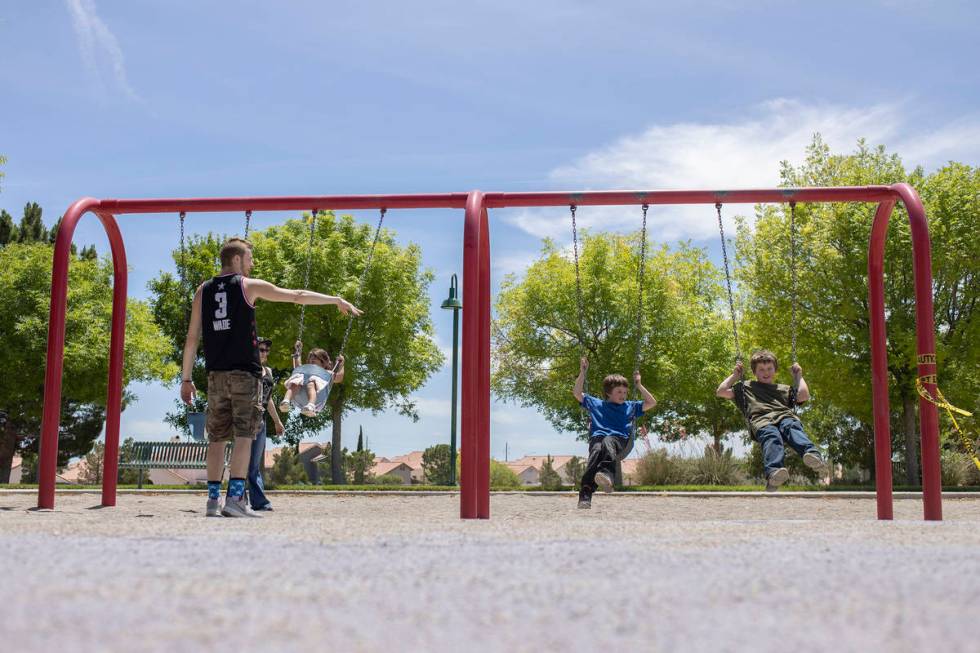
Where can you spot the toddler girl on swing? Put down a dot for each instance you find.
(311, 381)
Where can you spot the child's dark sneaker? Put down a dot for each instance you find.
(776, 479)
(584, 503)
(604, 482)
(814, 461)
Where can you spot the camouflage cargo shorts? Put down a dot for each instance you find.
(234, 405)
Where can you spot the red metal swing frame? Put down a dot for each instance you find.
(475, 400)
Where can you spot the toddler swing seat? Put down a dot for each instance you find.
(308, 372)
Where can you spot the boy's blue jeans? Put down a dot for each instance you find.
(772, 439)
(256, 486)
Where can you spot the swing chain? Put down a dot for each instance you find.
(578, 281)
(248, 221)
(728, 281)
(183, 252)
(793, 288)
(578, 293)
(360, 287)
(640, 272)
(306, 276)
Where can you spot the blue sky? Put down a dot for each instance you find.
(180, 98)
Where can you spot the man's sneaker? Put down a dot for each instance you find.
(214, 508)
(603, 481)
(309, 410)
(283, 406)
(238, 508)
(585, 503)
(777, 478)
(813, 460)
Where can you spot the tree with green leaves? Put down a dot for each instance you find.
(287, 468)
(684, 347)
(91, 472)
(503, 477)
(833, 323)
(549, 478)
(25, 287)
(574, 469)
(436, 464)
(391, 351)
(359, 464)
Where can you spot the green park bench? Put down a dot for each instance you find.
(169, 455)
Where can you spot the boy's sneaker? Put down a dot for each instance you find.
(238, 508)
(814, 461)
(283, 406)
(309, 410)
(777, 478)
(604, 482)
(585, 503)
(214, 508)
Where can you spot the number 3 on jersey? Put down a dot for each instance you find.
(221, 321)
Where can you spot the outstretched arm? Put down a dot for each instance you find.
(579, 388)
(187, 389)
(802, 390)
(649, 401)
(338, 376)
(725, 389)
(258, 289)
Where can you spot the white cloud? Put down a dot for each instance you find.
(99, 46)
(433, 408)
(740, 153)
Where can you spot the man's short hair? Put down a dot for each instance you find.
(763, 356)
(233, 247)
(612, 382)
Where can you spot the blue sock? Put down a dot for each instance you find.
(236, 488)
(214, 489)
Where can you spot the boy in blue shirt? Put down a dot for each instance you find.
(609, 427)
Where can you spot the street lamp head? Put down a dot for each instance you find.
(453, 302)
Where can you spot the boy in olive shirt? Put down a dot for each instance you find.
(768, 408)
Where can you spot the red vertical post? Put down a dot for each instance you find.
(117, 345)
(879, 360)
(469, 393)
(51, 414)
(483, 421)
(925, 337)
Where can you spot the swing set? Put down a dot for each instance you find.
(475, 400)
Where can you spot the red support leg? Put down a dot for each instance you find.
(470, 391)
(117, 344)
(925, 336)
(483, 426)
(879, 360)
(51, 416)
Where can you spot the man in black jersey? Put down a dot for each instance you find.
(224, 312)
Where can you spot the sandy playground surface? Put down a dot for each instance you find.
(349, 573)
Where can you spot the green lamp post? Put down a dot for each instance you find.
(453, 304)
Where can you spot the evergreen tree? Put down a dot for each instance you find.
(8, 230)
(31, 227)
(436, 464)
(549, 478)
(574, 469)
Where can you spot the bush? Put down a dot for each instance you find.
(715, 468)
(502, 478)
(660, 468)
(958, 469)
(387, 479)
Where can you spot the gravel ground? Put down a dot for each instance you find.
(346, 573)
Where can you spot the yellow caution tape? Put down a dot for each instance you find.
(940, 401)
